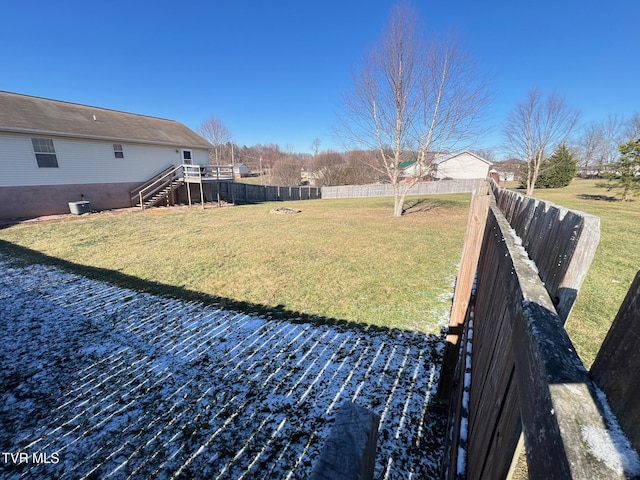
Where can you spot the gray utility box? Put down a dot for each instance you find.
(78, 208)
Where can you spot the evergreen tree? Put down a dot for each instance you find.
(558, 170)
(625, 173)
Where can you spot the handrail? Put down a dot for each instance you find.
(198, 173)
(158, 184)
(189, 173)
(134, 193)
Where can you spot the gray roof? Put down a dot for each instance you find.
(41, 116)
(443, 158)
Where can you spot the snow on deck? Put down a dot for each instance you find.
(98, 381)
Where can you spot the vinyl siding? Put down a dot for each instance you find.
(461, 167)
(85, 161)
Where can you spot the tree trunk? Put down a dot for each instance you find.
(398, 205)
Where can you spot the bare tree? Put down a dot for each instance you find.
(598, 144)
(632, 127)
(537, 126)
(329, 168)
(409, 98)
(315, 146)
(287, 172)
(218, 135)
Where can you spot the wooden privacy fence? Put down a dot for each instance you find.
(439, 187)
(510, 370)
(248, 193)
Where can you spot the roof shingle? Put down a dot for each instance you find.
(26, 114)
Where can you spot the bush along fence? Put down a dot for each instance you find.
(511, 375)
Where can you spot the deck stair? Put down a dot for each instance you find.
(162, 194)
(160, 187)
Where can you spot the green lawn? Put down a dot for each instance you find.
(338, 259)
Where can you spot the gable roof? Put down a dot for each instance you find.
(34, 115)
(444, 158)
(406, 164)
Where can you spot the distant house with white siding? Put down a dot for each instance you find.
(460, 165)
(54, 152)
(241, 170)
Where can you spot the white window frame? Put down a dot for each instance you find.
(45, 152)
(118, 150)
(184, 160)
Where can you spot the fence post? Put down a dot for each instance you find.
(476, 222)
(617, 364)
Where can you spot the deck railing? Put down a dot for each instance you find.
(185, 173)
(200, 173)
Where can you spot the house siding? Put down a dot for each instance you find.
(85, 161)
(463, 166)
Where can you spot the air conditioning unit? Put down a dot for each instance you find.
(78, 208)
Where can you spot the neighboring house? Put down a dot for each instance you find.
(54, 152)
(460, 165)
(412, 169)
(309, 176)
(241, 170)
(510, 170)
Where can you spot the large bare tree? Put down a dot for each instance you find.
(218, 135)
(536, 127)
(412, 96)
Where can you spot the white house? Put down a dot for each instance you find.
(54, 152)
(460, 165)
(241, 170)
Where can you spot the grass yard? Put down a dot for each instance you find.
(345, 260)
(615, 265)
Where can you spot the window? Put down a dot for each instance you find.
(186, 157)
(45, 152)
(117, 150)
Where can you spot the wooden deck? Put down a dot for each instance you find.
(207, 173)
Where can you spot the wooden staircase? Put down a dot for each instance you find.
(162, 194)
(158, 188)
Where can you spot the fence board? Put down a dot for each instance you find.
(492, 391)
(556, 399)
(562, 243)
(617, 364)
(503, 438)
(248, 193)
(464, 284)
(456, 413)
(527, 376)
(386, 190)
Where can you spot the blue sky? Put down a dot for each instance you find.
(275, 72)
